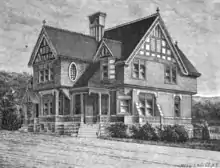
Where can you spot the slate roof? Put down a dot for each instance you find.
(191, 69)
(72, 44)
(130, 34)
(114, 46)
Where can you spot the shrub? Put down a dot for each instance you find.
(146, 132)
(181, 131)
(117, 130)
(11, 122)
(169, 134)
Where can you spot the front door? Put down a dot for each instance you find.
(91, 109)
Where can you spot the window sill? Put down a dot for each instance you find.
(47, 82)
(170, 83)
(138, 79)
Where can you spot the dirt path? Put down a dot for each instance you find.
(44, 151)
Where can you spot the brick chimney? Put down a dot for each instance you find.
(97, 25)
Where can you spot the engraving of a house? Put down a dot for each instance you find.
(132, 73)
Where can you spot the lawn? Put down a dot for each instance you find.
(213, 145)
(29, 150)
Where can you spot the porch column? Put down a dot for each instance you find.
(82, 108)
(109, 105)
(57, 103)
(100, 104)
(41, 106)
(72, 101)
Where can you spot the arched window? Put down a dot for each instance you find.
(177, 106)
(72, 71)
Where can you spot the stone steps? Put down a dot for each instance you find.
(88, 131)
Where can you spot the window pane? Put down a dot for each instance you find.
(158, 46)
(153, 44)
(142, 71)
(167, 74)
(46, 74)
(124, 106)
(174, 74)
(135, 69)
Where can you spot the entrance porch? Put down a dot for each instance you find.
(91, 105)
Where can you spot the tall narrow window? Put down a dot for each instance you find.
(177, 106)
(51, 73)
(51, 107)
(139, 69)
(135, 69)
(167, 74)
(41, 76)
(108, 68)
(170, 74)
(46, 74)
(46, 108)
(142, 70)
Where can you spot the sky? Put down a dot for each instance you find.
(195, 24)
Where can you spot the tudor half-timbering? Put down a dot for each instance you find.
(132, 73)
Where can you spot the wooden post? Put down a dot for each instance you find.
(82, 108)
(100, 104)
(109, 104)
(72, 104)
(57, 103)
(41, 105)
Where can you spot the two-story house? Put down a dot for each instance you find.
(132, 73)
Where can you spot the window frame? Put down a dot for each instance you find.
(172, 68)
(76, 73)
(145, 100)
(109, 63)
(139, 62)
(128, 101)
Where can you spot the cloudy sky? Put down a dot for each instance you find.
(195, 24)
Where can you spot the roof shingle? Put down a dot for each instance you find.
(72, 44)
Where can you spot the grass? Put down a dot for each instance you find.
(213, 145)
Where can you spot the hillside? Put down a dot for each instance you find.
(16, 81)
(205, 99)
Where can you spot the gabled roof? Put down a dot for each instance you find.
(130, 34)
(72, 44)
(89, 72)
(191, 69)
(114, 46)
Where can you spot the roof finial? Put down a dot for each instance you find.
(158, 10)
(44, 22)
(176, 42)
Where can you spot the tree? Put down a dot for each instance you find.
(11, 119)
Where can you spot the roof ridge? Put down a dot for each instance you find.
(112, 40)
(69, 31)
(133, 21)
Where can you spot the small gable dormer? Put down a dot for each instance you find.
(107, 62)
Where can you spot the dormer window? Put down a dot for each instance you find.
(108, 68)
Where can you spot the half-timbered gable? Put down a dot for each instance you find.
(44, 52)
